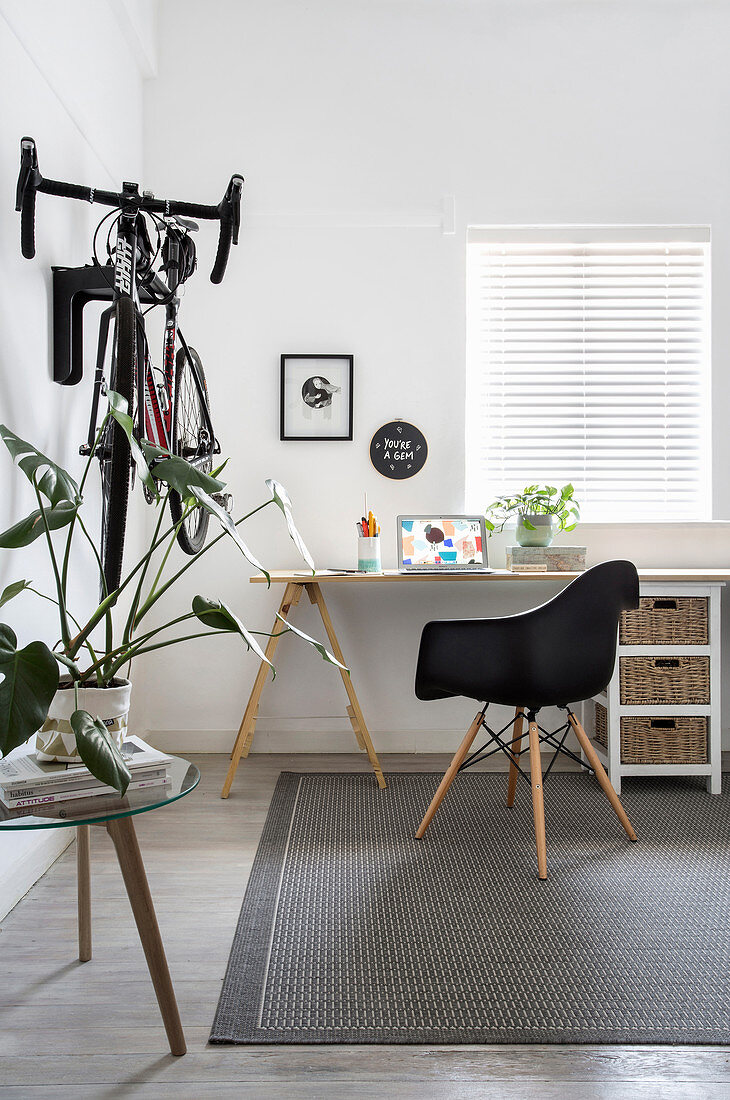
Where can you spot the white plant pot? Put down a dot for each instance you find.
(56, 741)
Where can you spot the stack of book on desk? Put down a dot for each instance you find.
(26, 781)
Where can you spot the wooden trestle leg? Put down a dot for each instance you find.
(242, 746)
(357, 719)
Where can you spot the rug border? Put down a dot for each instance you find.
(248, 959)
(236, 1017)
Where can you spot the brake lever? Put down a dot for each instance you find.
(236, 189)
(28, 170)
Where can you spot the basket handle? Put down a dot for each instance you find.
(664, 605)
(666, 662)
(663, 723)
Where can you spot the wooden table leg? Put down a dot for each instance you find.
(242, 746)
(124, 838)
(83, 873)
(357, 718)
(516, 750)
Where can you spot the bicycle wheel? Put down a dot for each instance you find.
(192, 439)
(114, 453)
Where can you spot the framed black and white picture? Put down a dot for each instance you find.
(316, 397)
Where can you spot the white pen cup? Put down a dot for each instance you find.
(368, 554)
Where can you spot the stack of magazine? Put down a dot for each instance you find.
(26, 782)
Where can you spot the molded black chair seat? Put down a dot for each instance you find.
(559, 653)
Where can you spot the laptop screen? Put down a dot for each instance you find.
(441, 541)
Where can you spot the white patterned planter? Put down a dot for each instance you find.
(56, 741)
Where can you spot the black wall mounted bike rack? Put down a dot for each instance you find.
(73, 288)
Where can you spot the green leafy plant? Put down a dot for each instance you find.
(29, 677)
(535, 500)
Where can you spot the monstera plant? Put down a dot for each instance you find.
(91, 651)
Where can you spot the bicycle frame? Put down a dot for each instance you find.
(155, 401)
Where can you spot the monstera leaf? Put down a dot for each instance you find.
(31, 528)
(53, 482)
(228, 526)
(219, 617)
(28, 682)
(324, 653)
(177, 473)
(118, 409)
(98, 751)
(12, 590)
(281, 498)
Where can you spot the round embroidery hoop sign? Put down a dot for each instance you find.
(398, 450)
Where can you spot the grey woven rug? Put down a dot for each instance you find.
(353, 931)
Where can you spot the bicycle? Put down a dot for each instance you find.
(170, 406)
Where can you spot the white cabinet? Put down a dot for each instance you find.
(661, 712)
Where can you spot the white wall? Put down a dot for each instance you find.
(56, 84)
(350, 123)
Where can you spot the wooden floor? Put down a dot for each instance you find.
(93, 1030)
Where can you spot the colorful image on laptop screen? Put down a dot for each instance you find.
(441, 542)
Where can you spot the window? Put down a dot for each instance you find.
(588, 361)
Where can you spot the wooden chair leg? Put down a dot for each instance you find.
(516, 750)
(538, 806)
(592, 758)
(450, 773)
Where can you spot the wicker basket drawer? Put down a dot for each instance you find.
(646, 740)
(676, 620)
(664, 680)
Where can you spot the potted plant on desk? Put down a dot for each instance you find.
(83, 713)
(541, 510)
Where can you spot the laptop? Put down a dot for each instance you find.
(442, 544)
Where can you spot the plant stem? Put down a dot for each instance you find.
(76, 623)
(65, 632)
(87, 467)
(109, 625)
(129, 625)
(110, 600)
(76, 643)
(154, 597)
(126, 651)
(161, 645)
(167, 552)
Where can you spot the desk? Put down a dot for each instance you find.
(652, 580)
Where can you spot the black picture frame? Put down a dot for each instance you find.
(306, 424)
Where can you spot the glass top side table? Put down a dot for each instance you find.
(117, 815)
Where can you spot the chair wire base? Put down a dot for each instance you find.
(555, 739)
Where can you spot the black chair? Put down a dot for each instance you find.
(551, 656)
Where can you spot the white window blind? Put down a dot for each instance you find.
(588, 362)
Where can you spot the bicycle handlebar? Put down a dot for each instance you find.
(30, 181)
